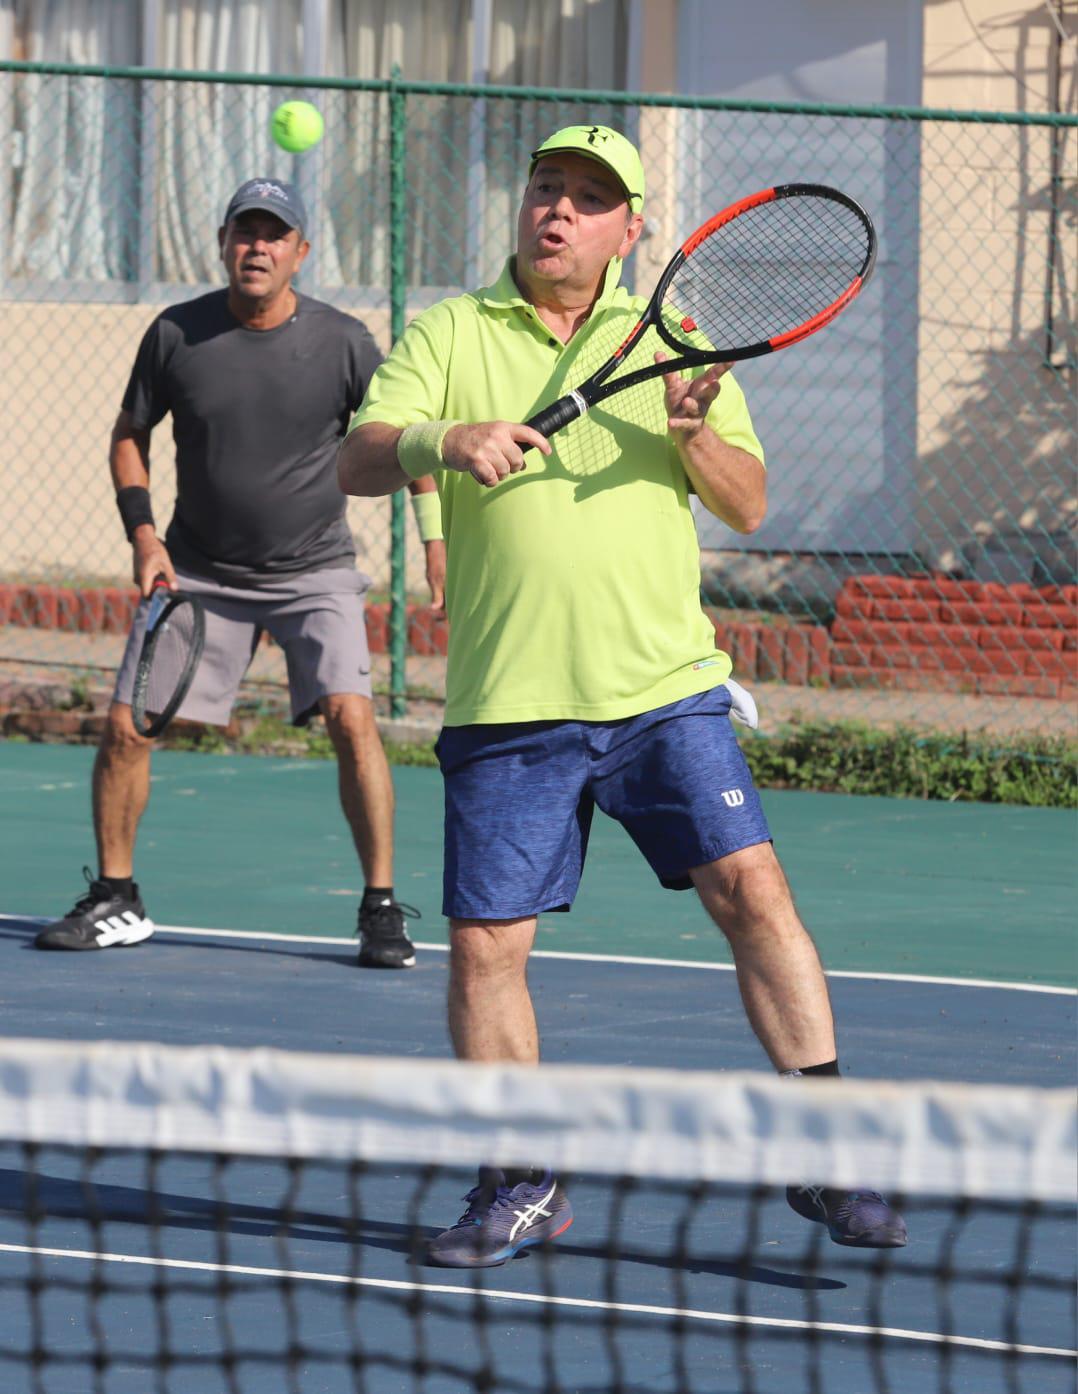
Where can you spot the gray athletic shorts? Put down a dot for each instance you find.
(316, 618)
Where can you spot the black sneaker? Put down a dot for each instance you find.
(100, 920)
(859, 1219)
(383, 940)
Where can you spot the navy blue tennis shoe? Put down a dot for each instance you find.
(858, 1219)
(501, 1219)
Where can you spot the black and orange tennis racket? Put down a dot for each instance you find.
(763, 274)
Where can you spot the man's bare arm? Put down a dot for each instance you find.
(367, 464)
(129, 464)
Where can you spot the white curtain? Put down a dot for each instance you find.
(123, 181)
(76, 143)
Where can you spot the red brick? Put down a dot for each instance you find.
(119, 609)
(946, 635)
(819, 670)
(844, 676)
(960, 659)
(1047, 616)
(853, 606)
(970, 612)
(795, 659)
(999, 686)
(915, 611)
(845, 631)
(426, 633)
(1052, 665)
(90, 610)
(1021, 639)
(889, 656)
(743, 649)
(769, 653)
(945, 588)
(67, 608)
(44, 606)
(883, 587)
(377, 618)
(6, 596)
(1070, 641)
(852, 655)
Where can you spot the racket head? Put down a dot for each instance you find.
(171, 649)
(765, 273)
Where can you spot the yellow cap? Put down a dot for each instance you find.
(607, 146)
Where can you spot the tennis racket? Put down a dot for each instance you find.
(171, 649)
(763, 274)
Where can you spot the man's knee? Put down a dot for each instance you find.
(119, 739)
(744, 888)
(481, 950)
(349, 719)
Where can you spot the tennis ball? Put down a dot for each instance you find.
(297, 126)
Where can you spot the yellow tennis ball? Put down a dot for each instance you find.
(297, 126)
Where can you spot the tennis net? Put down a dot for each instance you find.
(203, 1219)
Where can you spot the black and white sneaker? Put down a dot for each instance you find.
(383, 936)
(99, 920)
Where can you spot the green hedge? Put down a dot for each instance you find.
(844, 757)
(851, 758)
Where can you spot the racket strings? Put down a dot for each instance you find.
(767, 271)
(174, 639)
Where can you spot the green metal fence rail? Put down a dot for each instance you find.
(918, 562)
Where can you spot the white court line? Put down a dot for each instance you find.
(538, 1298)
(342, 943)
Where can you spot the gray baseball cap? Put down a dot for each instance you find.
(271, 196)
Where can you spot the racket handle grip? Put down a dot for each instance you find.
(557, 415)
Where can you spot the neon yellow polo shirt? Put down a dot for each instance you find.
(572, 588)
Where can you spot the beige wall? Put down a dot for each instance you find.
(995, 426)
(63, 370)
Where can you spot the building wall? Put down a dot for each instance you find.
(995, 423)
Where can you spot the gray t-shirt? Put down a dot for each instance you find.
(257, 416)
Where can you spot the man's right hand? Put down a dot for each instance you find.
(490, 450)
(151, 559)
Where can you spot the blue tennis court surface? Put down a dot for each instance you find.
(912, 903)
(306, 994)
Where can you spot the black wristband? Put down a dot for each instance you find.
(135, 509)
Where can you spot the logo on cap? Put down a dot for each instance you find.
(264, 189)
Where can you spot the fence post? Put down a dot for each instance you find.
(398, 612)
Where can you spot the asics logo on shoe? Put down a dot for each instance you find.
(733, 798)
(537, 1211)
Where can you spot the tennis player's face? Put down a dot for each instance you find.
(573, 219)
(261, 254)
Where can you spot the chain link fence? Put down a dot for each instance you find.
(918, 560)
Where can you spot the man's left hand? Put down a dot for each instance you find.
(688, 400)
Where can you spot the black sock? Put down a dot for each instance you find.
(378, 893)
(830, 1067)
(122, 886)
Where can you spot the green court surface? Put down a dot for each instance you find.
(242, 842)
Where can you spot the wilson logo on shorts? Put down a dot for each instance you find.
(733, 798)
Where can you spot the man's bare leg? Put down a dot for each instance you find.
(491, 1017)
(364, 782)
(121, 791)
(778, 969)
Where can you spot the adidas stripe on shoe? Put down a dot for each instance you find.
(99, 920)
